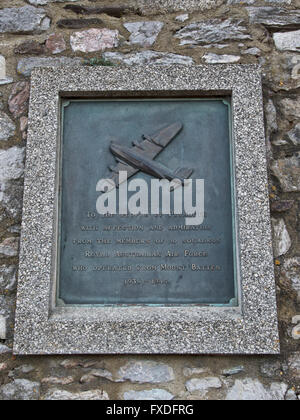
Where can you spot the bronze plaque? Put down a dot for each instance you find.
(155, 254)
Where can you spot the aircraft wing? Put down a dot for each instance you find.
(114, 177)
(150, 147)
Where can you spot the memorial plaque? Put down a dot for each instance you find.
(146, 258)
(146, 225)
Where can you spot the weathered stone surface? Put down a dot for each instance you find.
(249, 389)
(287, 41)
(9, 247)
(20, 389)
(19, 98)
(254, 1)
(79, 23)
(211, 58)
(70, 364)
(26, 65)
(30, 47)
(203, 385)
(4, 350)
(290, 107)
(23, 127)
(44, 2)
(143, 33)
(23, 20)
(11, 169)
(288, 172)
(294, 365)
(285, 71)
(233, 371)
(282, 205)
(147, 58)
(271, 118)
(56, 43)
(4, 80)
(60, 395)
(11, 199)
(274, 17)
(146, 372)
(54, 380)
(216, 46)
(14, 229)
(167, 6)
(291, 269)
(11, 164)
(252, 51)
(94, 40)
(96, 373)
(153, 394)
(271, 369)
(8, 277)
(3, 366)
(182, 18)
(2, 67)
(296, 332)
(282, 241)
(23, 123)
(280, 142)
(7, 127)
(6, 306)
(3, 329)
(21, 370)
(212, 31)
(291, 395)
(294, 135)
(115, 11)
(187, 371)
(296, 319)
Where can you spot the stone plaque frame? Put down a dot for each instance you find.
(249, 328)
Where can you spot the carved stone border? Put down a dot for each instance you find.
(250, 328)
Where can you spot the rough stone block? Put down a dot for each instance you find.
(56, 43)
(253, 390)
(8, 277)
(282, 241)
(211, 58)
(212, 31)
(94, 40)
(9, 247)
(288, 172)
(274, 17)
(60, 395)
(7, 127)
(18, 99)
(146, 372)
(19, 390)
(147, 58)
(143, 33)
(3, 78)
(203, 385)
(44, 2)
(287, 41)
(3, 329)
(27, 19)
(26, 65)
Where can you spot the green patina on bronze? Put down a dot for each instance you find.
(91, 270)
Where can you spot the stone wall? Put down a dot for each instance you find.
(91, 32)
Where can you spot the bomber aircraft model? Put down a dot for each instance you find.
(141, 157)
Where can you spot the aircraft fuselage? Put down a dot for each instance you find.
(140, 162)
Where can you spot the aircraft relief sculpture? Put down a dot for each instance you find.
(141, 157)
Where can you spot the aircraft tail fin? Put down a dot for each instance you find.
(184, 173)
